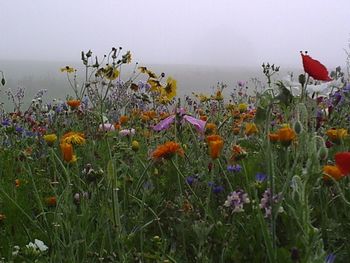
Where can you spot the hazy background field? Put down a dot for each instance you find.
(37, 75)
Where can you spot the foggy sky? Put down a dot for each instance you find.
(206, 32)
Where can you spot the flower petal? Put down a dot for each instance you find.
(198, 124)
(342, 160)
(164, 124)
(314, 68)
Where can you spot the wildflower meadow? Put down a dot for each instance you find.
(124, 170)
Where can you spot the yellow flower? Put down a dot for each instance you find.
(210, 128)
(242, 107)
(110, 73)
(77, 138)
(335, 135)
(50, 139)
(170, 89)
(68, 69)
(250, 128)
(155, 85)
(127, 57)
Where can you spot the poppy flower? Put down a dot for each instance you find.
(332, 171)
(342, 160)
(51, 201)
(314, 68)
(335, 135)
(67, 152)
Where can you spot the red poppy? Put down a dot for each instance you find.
(342, 160)
(314, 68)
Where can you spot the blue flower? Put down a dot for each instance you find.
(192, 179)
(330, 258)
(5, 122)
(260, 177)
(234, 168)
(218, 189)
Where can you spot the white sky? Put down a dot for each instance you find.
(213, 32)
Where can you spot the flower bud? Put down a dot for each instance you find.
(302, 79)
(323, 153)
(135, 146)
(298, 127)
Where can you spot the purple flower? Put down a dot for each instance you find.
(5, 122)
(217, 189)
(236, 200)
(330, 258)
(192, 179)
(164, 124)
(260, 177)
(265, 202)
(19, 129)
(198, 124)
(234, 168)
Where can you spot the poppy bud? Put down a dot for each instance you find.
(323, 153)
(298, 127)
(302, 79)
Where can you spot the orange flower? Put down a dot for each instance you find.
(203, 117)
(117, 126)
(123, 119)
(273, 137)
(73, 103)
(51, 201)
(238, 152)
(286, 135)
(215, 148)
(2, 217)
(335, 135)
(250, 129)
(17, 183)
(167, 150)
(216, 143)
(210, 128)
(236, 130)
(332, 171)
(67, 152)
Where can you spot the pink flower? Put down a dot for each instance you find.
(106, 127)
(165, 124)
(127, 132)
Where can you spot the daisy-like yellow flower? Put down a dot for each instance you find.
(76, 138)
(110, 73)
(335, 135)
(143, 69)
(127, 57)
(155, 85)
(68, 69)
(50, 139)
(170, 89)
(242, 107)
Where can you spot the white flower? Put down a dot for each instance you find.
(127, 132)
(40, 245)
